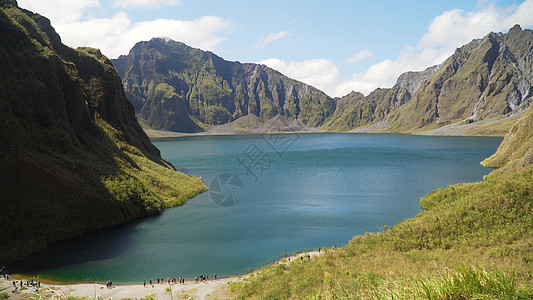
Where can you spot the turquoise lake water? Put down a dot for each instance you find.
(289, 193)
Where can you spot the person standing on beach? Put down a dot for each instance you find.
(144, 283)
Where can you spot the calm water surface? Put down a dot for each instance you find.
(301, 192)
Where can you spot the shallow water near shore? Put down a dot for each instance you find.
(294, 192)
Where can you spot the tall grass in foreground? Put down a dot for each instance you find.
(465, 282)
(487, 224)
(468, 282)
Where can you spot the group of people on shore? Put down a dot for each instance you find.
(180, 280)
(173, 280)
(20, 284)
(204, 278)
(29, 283)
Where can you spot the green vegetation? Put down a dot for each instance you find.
(463, 225)
(516, 150)
(149, 297)
(247, 122)
(73, 157)
(178, 88)
(492, 127)
(472, 241)
(478, 80)
(4, 295)
(469, 282)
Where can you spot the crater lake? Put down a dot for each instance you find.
(270, 195)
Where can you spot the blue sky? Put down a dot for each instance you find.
(337, 46)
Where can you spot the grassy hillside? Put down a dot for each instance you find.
(472, 241)
(516, 150)
(72, 156)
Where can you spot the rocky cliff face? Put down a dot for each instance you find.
(72, 155)
(179, 88)
(487, 78)
(354, 110)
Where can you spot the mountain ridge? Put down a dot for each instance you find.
(488, 79)
(211, 91)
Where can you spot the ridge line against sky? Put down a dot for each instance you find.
(337, 47)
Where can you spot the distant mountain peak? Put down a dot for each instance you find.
(516, 28)
(177, 87)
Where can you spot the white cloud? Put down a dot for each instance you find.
(359, 56)
(271, 38)
(456, 27)
(59, 10)
(125, 4)
(324, 74)
(446, 32)
(384, 73)
(118, 34)
(522, 15)
(320, 73)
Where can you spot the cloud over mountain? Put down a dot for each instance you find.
(116, 34)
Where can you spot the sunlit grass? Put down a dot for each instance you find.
(473, 241)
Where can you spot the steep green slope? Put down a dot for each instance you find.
(472, 241)
(487, 79)
(179, 88)
(72, 156)
(516, 150)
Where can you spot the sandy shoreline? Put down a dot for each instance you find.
(210, 289)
